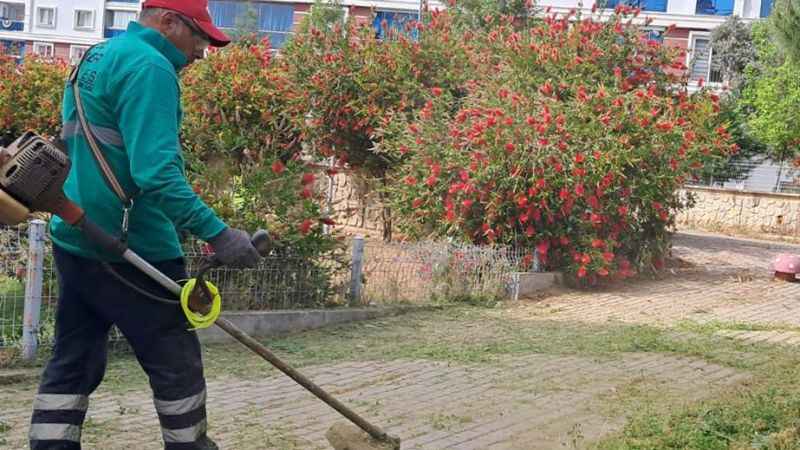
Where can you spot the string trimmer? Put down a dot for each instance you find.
(32, 175)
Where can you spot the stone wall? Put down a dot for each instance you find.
(355, 203)
(752, 212)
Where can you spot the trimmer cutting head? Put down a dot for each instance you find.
(32, 175)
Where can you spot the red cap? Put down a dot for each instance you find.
(197, 11)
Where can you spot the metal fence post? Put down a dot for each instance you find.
(358, 264)
(33, 289)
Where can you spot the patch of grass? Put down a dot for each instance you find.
(762, 413)
(441, 421)
(472, 335)
(716, 326)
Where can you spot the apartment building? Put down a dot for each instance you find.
(61, 28)
(65, 28)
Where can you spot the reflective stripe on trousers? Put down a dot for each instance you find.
(58, 417)
(183, 420)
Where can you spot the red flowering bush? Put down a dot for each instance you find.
(244, 148)
(574, 144)
(30, 96)
(353, 83)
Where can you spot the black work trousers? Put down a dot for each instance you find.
(90, 301)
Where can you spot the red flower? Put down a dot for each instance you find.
(564, 240)
(582, 272)
(410, 180)
(431, 181)
(416, 203)
(546, 89)
(579, 158)
(623, 210)
(543, 247)
(530, 231)
(305, 193)
(598, 243)
(308, 178)
(305, 227)
(436, 91)
(467, 203)
(522, 201)
(608, 256)
(603, 272)
(586, 259)
(278, 167)
(579, 190)
(527, 260)
(510, 147)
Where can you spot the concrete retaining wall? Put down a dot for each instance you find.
(272, 323)
(754, 212)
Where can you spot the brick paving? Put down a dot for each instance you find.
(536, 398)
(724, 280)
(527, 402)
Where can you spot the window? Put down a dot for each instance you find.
(44, 49)
(386, 21)
(766, 8)
(715, 7)
(702, 63)
(15, 49)
(119, 20)
(654, 34)
(46, 17)
(12, 11)
(267, 19)
(645, 5)
(76, 53)
(276, 19)
(84, 19)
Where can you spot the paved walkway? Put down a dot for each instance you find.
(530, 402)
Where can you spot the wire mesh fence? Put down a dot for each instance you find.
(398, 272)
(421, 271)
(755, 175)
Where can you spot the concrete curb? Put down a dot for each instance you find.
(261, 324)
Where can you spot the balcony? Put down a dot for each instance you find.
(11, 25)
(714, 7)
(12, 16)
(644, 5)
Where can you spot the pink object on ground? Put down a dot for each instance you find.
(786, 266)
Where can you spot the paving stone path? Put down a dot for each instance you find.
(522, 403)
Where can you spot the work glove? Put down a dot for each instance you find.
(234, 248)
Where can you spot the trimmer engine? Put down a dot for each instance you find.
(32, 175)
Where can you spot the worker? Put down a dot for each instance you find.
(130, 94)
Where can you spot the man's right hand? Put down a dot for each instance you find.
(234, 248)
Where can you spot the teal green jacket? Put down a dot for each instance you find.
(131, 95)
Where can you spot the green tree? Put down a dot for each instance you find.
(246, 31)
(734, 50)
(771, 97)
(785, 20)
